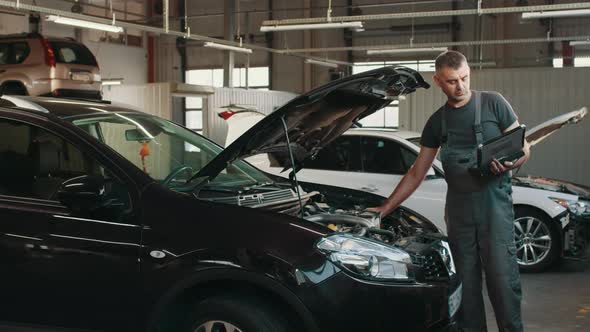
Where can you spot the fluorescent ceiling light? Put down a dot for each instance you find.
(228, 47)
(579, 42)
(112, 81)
(556, 13)
(321, 63)
(408, 50)
(84, 24)
(314, 26)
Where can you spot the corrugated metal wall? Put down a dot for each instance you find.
(537, 94)
(264, 101)
(153, 98)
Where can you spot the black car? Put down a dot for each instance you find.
(116, 220)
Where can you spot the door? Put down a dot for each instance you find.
(63, 263)
(337, 164)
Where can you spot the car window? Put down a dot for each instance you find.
(20, 51)
(35, 163)
(385, 156)
(343, 154)
(72, 53)
(165, 151)
(4, 50)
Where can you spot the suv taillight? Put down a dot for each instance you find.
(49, 55)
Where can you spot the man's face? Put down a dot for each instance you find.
(454, 82)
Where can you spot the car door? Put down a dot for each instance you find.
(337, 164)
(69, 266)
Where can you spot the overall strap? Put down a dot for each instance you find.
(477, 128)
(443, 125)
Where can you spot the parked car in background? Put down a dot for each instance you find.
(116, 220)
(551, 217)
(31, 64)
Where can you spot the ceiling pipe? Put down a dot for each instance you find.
(439, 13)
(435, 45)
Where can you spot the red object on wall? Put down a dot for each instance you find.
(567, 53)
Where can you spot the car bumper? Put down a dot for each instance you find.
(344, 303)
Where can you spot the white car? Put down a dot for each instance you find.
(548, 213)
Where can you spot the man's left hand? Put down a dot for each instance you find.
(498, 168)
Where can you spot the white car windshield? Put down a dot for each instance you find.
(165, 151)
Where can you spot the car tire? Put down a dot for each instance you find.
(235, 313)
(538, 240)
(13, 88)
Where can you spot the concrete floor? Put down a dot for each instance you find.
(557, 300)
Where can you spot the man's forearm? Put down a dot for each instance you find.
(404, 189)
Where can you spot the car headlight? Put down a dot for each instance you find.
(577, 207)
(366, 258)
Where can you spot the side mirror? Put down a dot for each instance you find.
(82, 193)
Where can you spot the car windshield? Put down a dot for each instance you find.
(165, 151)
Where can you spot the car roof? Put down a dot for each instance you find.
(387, 132)
(62, 107)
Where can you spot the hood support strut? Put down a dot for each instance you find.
(292, 165)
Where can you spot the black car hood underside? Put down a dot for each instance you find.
(316, 118)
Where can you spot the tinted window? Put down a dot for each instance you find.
(72, 53)
(4, 50)
(341, 155)
(385, 156)
(36, 162)
(20, 51)
(13, 53)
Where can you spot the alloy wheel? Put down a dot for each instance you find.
(533, 240)
(217, 326)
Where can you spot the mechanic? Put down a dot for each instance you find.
(479, 212)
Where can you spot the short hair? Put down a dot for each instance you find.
(451, 59)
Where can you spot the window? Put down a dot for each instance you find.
(72, 53)
(4, 50)
(343, 154)
(385, 156)
(36, 162)
(388, 117)
(579, 61)
(159, 148)
(13, 53)
(20, 52)
(257, 79)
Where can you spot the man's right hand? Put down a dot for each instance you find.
(382, 210)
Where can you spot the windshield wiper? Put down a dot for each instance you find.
(258, 185)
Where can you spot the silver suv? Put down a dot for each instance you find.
(60, 67)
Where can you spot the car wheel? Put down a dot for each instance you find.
(13, 89)
(538, 243)
(227, 313)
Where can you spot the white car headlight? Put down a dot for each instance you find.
(576, 207)
(366, 258)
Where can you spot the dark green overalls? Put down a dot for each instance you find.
(479, 217)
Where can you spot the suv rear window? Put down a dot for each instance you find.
(72, 53)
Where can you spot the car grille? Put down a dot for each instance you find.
(432, 265)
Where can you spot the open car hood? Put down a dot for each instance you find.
(538, 182)
(545, 129)
(319, 116)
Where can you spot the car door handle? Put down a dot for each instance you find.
(2, 71)
(369, 189)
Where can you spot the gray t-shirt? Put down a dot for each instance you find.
(496, 116)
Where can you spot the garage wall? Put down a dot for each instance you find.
(263, 101)
(537, 94)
